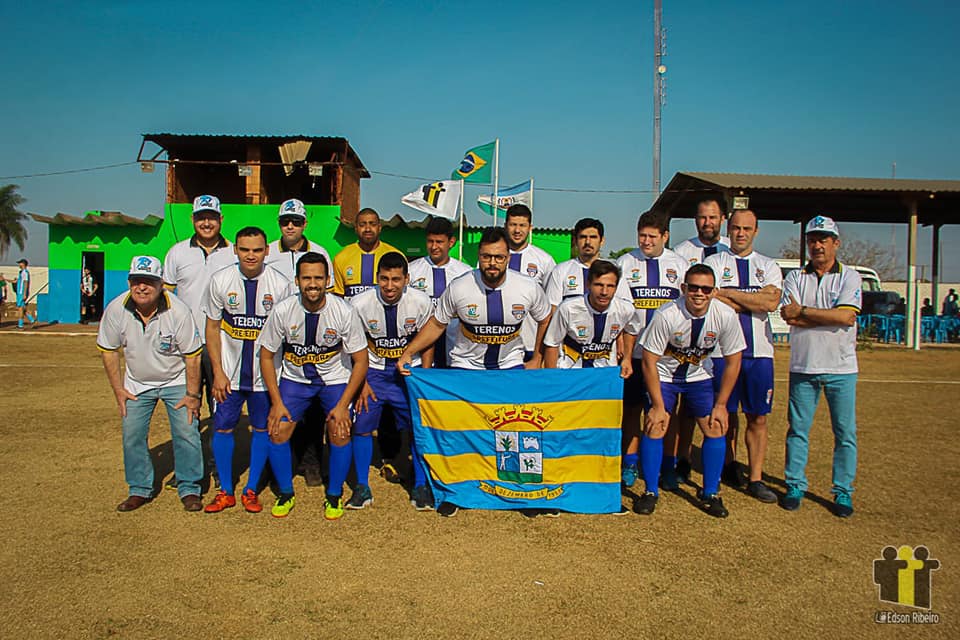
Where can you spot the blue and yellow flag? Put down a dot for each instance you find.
(477, 165)
(544, 439)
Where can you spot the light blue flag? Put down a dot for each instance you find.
(542, 439)
(517, 194)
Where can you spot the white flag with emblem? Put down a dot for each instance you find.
(436, 198)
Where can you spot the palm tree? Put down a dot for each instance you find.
(11, 219)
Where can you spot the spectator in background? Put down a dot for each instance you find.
(950, 304)
(88, 291)
(900, 308)
(927, 308)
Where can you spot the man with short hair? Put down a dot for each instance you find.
(676, 362)
(651, 277)
(820, 303)
(491, 303)
(569, 278)
(88, 289)
(749, 283)
(529, 260)
(237, 303)
(324, 358)
(708, 241)
(22, 290)
(161, 348)
(284, 252)
(391, 315)
(433, 272)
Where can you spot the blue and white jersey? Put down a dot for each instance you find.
(433, 280)
(23, 284)
(241, 306)
(390, 327)
(285, 260)
(567, 280)
(694, 251)
(649, 283)
(490, 319)
(315, 347)
(535, 263)
(586, 337)
(749, 274)
(685, 342)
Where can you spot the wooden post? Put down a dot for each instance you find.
(171, 183)
(911, 271)
(803, 241)
(253, 195)
(935, 278)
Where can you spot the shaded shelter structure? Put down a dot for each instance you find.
(797, 199)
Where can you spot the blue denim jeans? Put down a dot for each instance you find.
(841, 393)
(187, 458)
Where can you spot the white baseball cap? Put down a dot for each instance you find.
(146, 267)
(292, 207)
(823, 224)
(206, 203)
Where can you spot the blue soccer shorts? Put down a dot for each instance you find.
(391, 391)
(697, 397)
(754, 389)
(297, 396)
(227, 415)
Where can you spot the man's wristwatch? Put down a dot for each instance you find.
(194, 395)
(803, 312)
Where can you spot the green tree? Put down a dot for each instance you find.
(613, 255)
(11, 219)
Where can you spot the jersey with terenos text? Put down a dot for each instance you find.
(694, 251)
(433, 280)
(535, 263)
(649, 283)
(586, 337)
(241, 306)
(685, 342)
(355, 270)
(390, 327)
(490, 319)
(749, 274)
(187, 268)
(567, 280)
(314, 348)
(285, 260)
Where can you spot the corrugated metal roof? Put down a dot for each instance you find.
(153, 137)
(764, 181)
(105, 218)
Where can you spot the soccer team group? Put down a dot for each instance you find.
(282, 328)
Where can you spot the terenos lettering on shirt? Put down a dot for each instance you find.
(389, 347)
(299, 355)
(692, 354)
(652, 297)
(588, 351)
(242, 327)
(490, 333)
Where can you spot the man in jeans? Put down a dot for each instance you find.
(161, 346)
(820, 303)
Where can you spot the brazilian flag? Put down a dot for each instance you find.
(477, 165)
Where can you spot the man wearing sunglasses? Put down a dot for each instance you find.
(284, 252)
(677, 345)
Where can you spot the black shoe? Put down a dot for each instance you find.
(713, 505)
(646, 504)
(447, 509)
(761, 492)
(669, 480)
(547, 513)
(683, 469)
(312, 477)
(731, 476)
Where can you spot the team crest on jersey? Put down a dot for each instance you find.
(614, 331)
(518, 311)
(727, 275)
(692, 261)
(672, 275)
(330, 337)
(233, 299)
(409, 325)
(349, 272)
(635, 274)
(373, 324)
(267, 302)
(709, 339)
(532, 270)
(677, 338)
(419, 283)
(759, 274)
(294, 332)
(581, 331)
(472, 311)
(166, 343)
(571, 282)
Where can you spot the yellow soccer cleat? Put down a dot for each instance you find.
(283, 506)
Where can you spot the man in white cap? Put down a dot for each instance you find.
(161, 348)
(284, 252)
(820, 303)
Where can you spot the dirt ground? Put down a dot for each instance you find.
(75, 568)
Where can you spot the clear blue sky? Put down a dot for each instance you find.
(812, 88)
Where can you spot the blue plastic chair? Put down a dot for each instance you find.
(896, 327)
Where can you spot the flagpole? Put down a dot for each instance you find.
(531, 209)
(496, 178)
(460, 243)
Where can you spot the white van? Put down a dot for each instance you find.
(871, 282)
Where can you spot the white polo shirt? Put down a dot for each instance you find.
(685, 342)
(241, 306)
(315, 347)
(490, 319)
(649, 283)
(750, 274)
(587, 337)
(154, 351)
(389, 328)
(824, 349)
(567, 280)
(188, 268)
(535, 263)
(694, 251)
(285, 260)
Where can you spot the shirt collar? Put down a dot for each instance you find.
(162, 305)
(836, 268)
(221, 242)
(303, 246)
